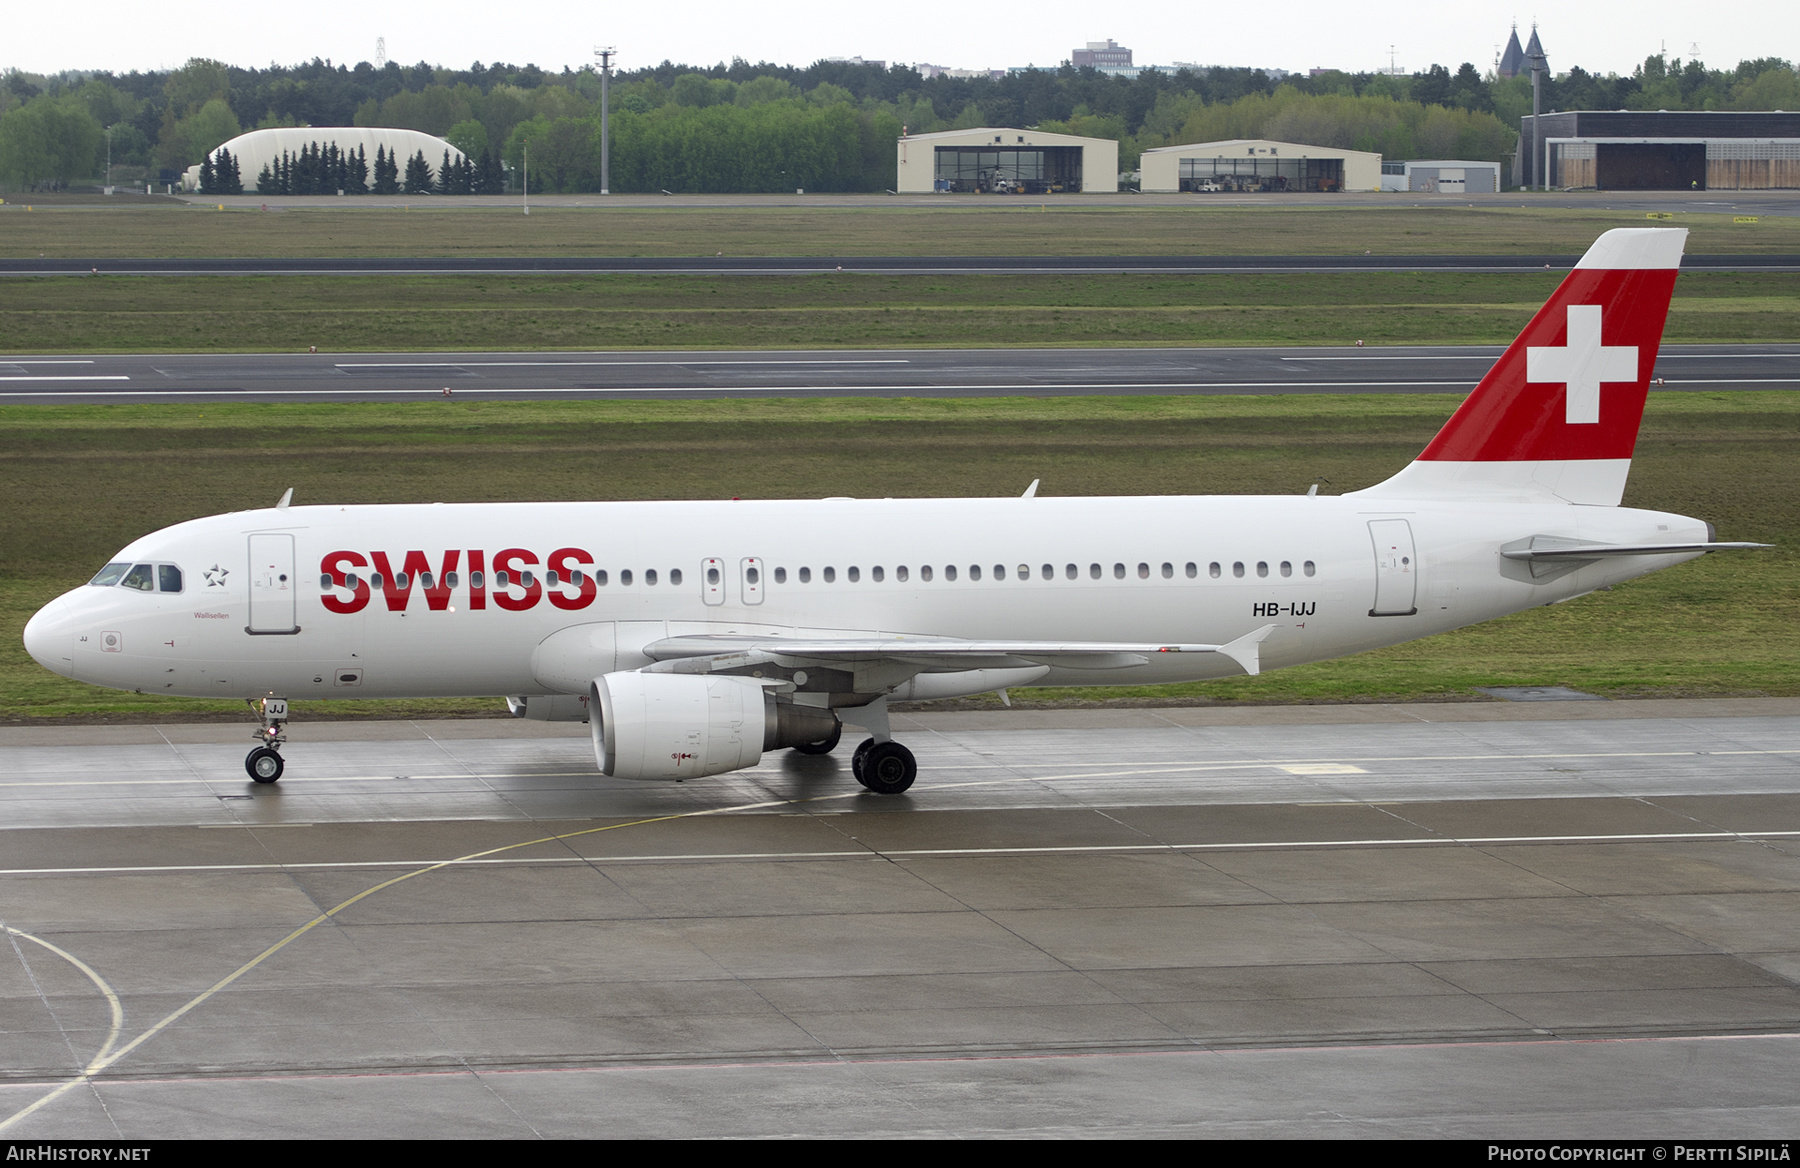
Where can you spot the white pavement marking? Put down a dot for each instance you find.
(874, 853)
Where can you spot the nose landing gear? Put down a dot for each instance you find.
(264, 764)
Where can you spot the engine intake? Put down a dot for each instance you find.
(679, 726)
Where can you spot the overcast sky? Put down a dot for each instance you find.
(122, 35)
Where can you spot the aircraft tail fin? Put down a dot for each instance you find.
(1556, 418)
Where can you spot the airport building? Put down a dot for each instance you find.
(1002, 161)
(260, 148)
(1660, 150)
(1447, 176)
(1255, 164)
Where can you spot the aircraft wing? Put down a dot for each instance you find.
(912, 655)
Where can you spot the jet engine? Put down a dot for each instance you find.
(681, 726)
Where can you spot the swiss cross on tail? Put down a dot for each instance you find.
(1581, 365)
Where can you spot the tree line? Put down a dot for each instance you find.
(827, 126)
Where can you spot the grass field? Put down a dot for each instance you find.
(1497, 225)
(438, 313)
(80, 482)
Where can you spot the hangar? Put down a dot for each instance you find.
(1660, 150)
(260, 148)
(1001, 161)
(1442, 176)
(1257, 164)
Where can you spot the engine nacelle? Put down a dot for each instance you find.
(685, 725)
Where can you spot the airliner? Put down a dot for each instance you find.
(693, 637)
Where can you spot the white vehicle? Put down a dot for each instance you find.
(695, 636)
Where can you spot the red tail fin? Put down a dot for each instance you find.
(1558, 414)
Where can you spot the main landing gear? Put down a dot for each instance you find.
(264, 764)
(886, 768)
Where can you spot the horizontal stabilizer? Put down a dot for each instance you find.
(1542, 549)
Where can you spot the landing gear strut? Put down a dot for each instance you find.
(264, 764)
(886, 768)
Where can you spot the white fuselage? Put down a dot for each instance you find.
(1024, 569)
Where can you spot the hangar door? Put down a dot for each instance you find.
(1025, 170)
(1651, 166)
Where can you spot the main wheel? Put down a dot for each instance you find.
(264, 764)
(888, 768)
(857, 757)
(823, 745)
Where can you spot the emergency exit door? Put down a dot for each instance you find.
(273, 586)
(1396, 568)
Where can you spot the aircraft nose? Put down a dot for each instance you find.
(50, 635)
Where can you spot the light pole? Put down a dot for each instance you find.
(1538, 62)
(109, 131)
(606, 55)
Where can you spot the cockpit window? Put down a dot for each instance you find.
(141, 578)
(168, 578)
(109, 575)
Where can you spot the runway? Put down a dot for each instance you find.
(371, 377)
(1490, 920)
(888, 265)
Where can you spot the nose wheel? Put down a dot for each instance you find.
(264, 764)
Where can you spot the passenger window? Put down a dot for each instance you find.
(1143, 571)
(781, 575)
(877, 574)
(1212, 570)
(402, 581)
(600, 577)
(1237, 569)
(451, 581)
(625, 577)
(1024, 571)
(1307, 567)
(806, 575)
(1193, 570)
(712, 575)
(1093, 571)
(974, 571)
(854, 573)
(425, 580)
(1168, 571)
(551, 579)
(350, 581)
(502, 578)
(649, 577)
(109, 575)
(476, 580)
(830, 575)
(950, 571)
(751, 576)
(1048, 571)
(1262, 567)
(168, 578)
(1000, 572)
(1287, 569)
(140, 578)
(575, 577)
(924, 573)
(1118, 571)
(379, 583)
(324, 581)
(675, 576)
(1071, 571)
